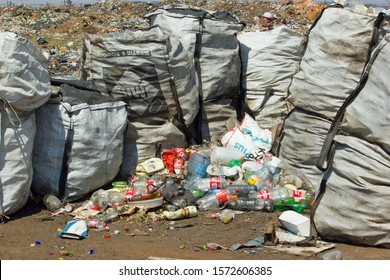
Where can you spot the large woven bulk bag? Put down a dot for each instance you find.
(79, 142)
(16, 147)
(269, 61)
(339, 45)
(302, 140)
(24, 87)
(147, 69)
(210, 37)
(353, 203)
(24, 78)
(211, 40)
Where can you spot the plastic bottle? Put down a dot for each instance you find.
(241, 190)
(289, 204)
(290, 179)
(215, 200)
(102, 220)
(276, 193)
(226, 216)
(146, 185)
(52, 202)
(197, 166)
(333, 255)
(177, 195)
(206, 184)
(116, 198)
(224, 155)
(261, 178)
(99, 199)
(251, 204)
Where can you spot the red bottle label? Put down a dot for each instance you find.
(264, 194)
(221, 196)
(129, 194)
(297, 193)
(215, 183)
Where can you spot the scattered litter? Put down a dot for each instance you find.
(257, 242)
(74, 230)
(288, 241)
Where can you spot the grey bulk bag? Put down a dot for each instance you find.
(16, 171)
(24, 78)
(269, 61)
(338, 46)
(147, 69)
(153, 74)
(79, 142)
(210, 38)
(24, 87)
(353, 203)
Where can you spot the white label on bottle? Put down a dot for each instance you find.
(215, 183)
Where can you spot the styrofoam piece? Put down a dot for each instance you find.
(295, 222)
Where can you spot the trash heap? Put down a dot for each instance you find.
(212, 176)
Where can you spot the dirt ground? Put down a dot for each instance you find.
(31, 234)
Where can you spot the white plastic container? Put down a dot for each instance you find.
(223, 155)
(295, 222)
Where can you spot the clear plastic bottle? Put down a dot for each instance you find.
(251, 204)
(206, 184)
(116, 198)
(290, 179)
(223, 155)
(99, 199)
(241, 190)
(102, 220)
(276, 193)
(215, 200)
(52, 203)
(261, 177)
(146, 185)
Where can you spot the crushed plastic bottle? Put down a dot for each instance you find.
(251, 204)
(215, 200)
(100, 222)
(226, 216)
(177, 195)
(205, 184)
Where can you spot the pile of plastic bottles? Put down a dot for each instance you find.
(249, 185)
(209, 178)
